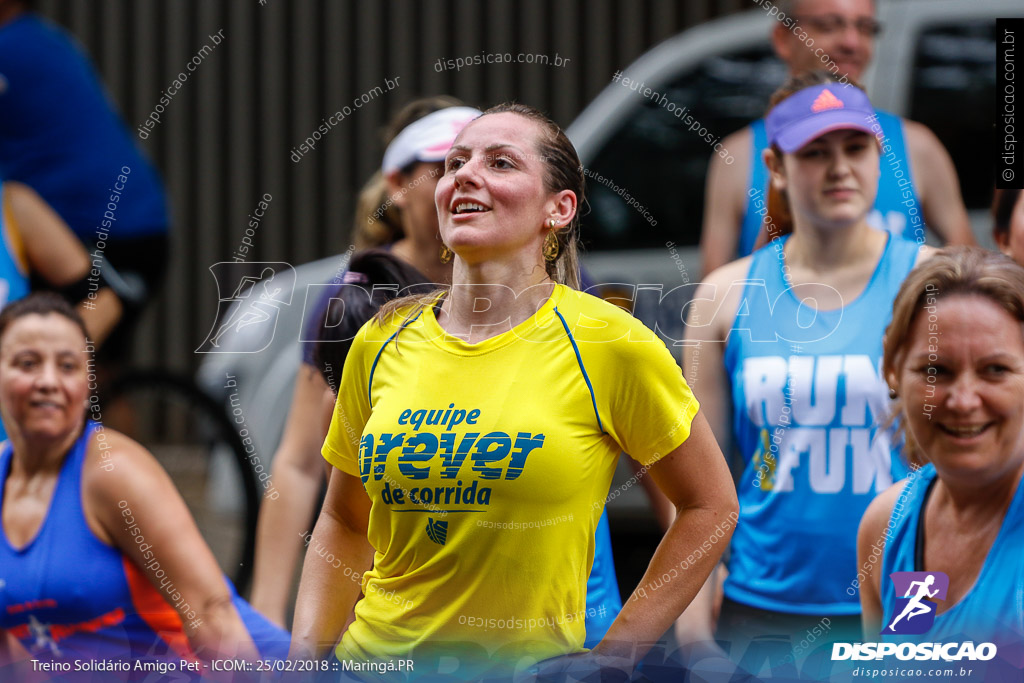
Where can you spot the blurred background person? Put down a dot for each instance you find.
(419, 138)
(844, 31)
(954, 354)
(38, 250)
(397, 213)
(374, 277)
(794, 386)
(1008, 223)
(61, 135)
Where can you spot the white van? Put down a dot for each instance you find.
(935, 62)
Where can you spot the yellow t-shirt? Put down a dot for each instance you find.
(487, 466)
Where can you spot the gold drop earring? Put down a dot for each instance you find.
(551, 242)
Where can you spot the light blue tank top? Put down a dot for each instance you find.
(808, 402)
(897, 208)
(992, 611)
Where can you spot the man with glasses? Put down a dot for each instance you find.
(836, 36)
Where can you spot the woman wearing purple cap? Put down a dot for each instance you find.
(790, 341)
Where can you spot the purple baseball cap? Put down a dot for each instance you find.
(817, 110)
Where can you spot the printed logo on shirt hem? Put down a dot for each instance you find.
(437, 531)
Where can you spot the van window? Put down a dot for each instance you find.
(646, 185)
(953, 93)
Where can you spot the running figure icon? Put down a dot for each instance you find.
(257, 311)
(248, 306)
(915, 607)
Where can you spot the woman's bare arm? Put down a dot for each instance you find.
(56, 255)
(133, 505)
(329, 590)
(870, 545)
(696, 479)
(708, 321)
(297, 474)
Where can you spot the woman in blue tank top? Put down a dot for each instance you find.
(954, 354)
(787, 365)
(99, 557)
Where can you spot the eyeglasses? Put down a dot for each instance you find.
(833, 23)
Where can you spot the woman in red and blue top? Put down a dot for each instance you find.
(99, 556)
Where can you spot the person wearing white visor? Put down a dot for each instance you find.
(412, 166)
(427, 139)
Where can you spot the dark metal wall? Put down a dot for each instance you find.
(225, 137)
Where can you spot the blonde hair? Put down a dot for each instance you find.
(378, 220)
(964, 271)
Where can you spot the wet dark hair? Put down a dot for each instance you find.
(564, 172)
(1003, 203)
(356, 302)
(40, 303)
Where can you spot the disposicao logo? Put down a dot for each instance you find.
(914, 614)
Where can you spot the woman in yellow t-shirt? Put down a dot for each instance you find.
(476, 433)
